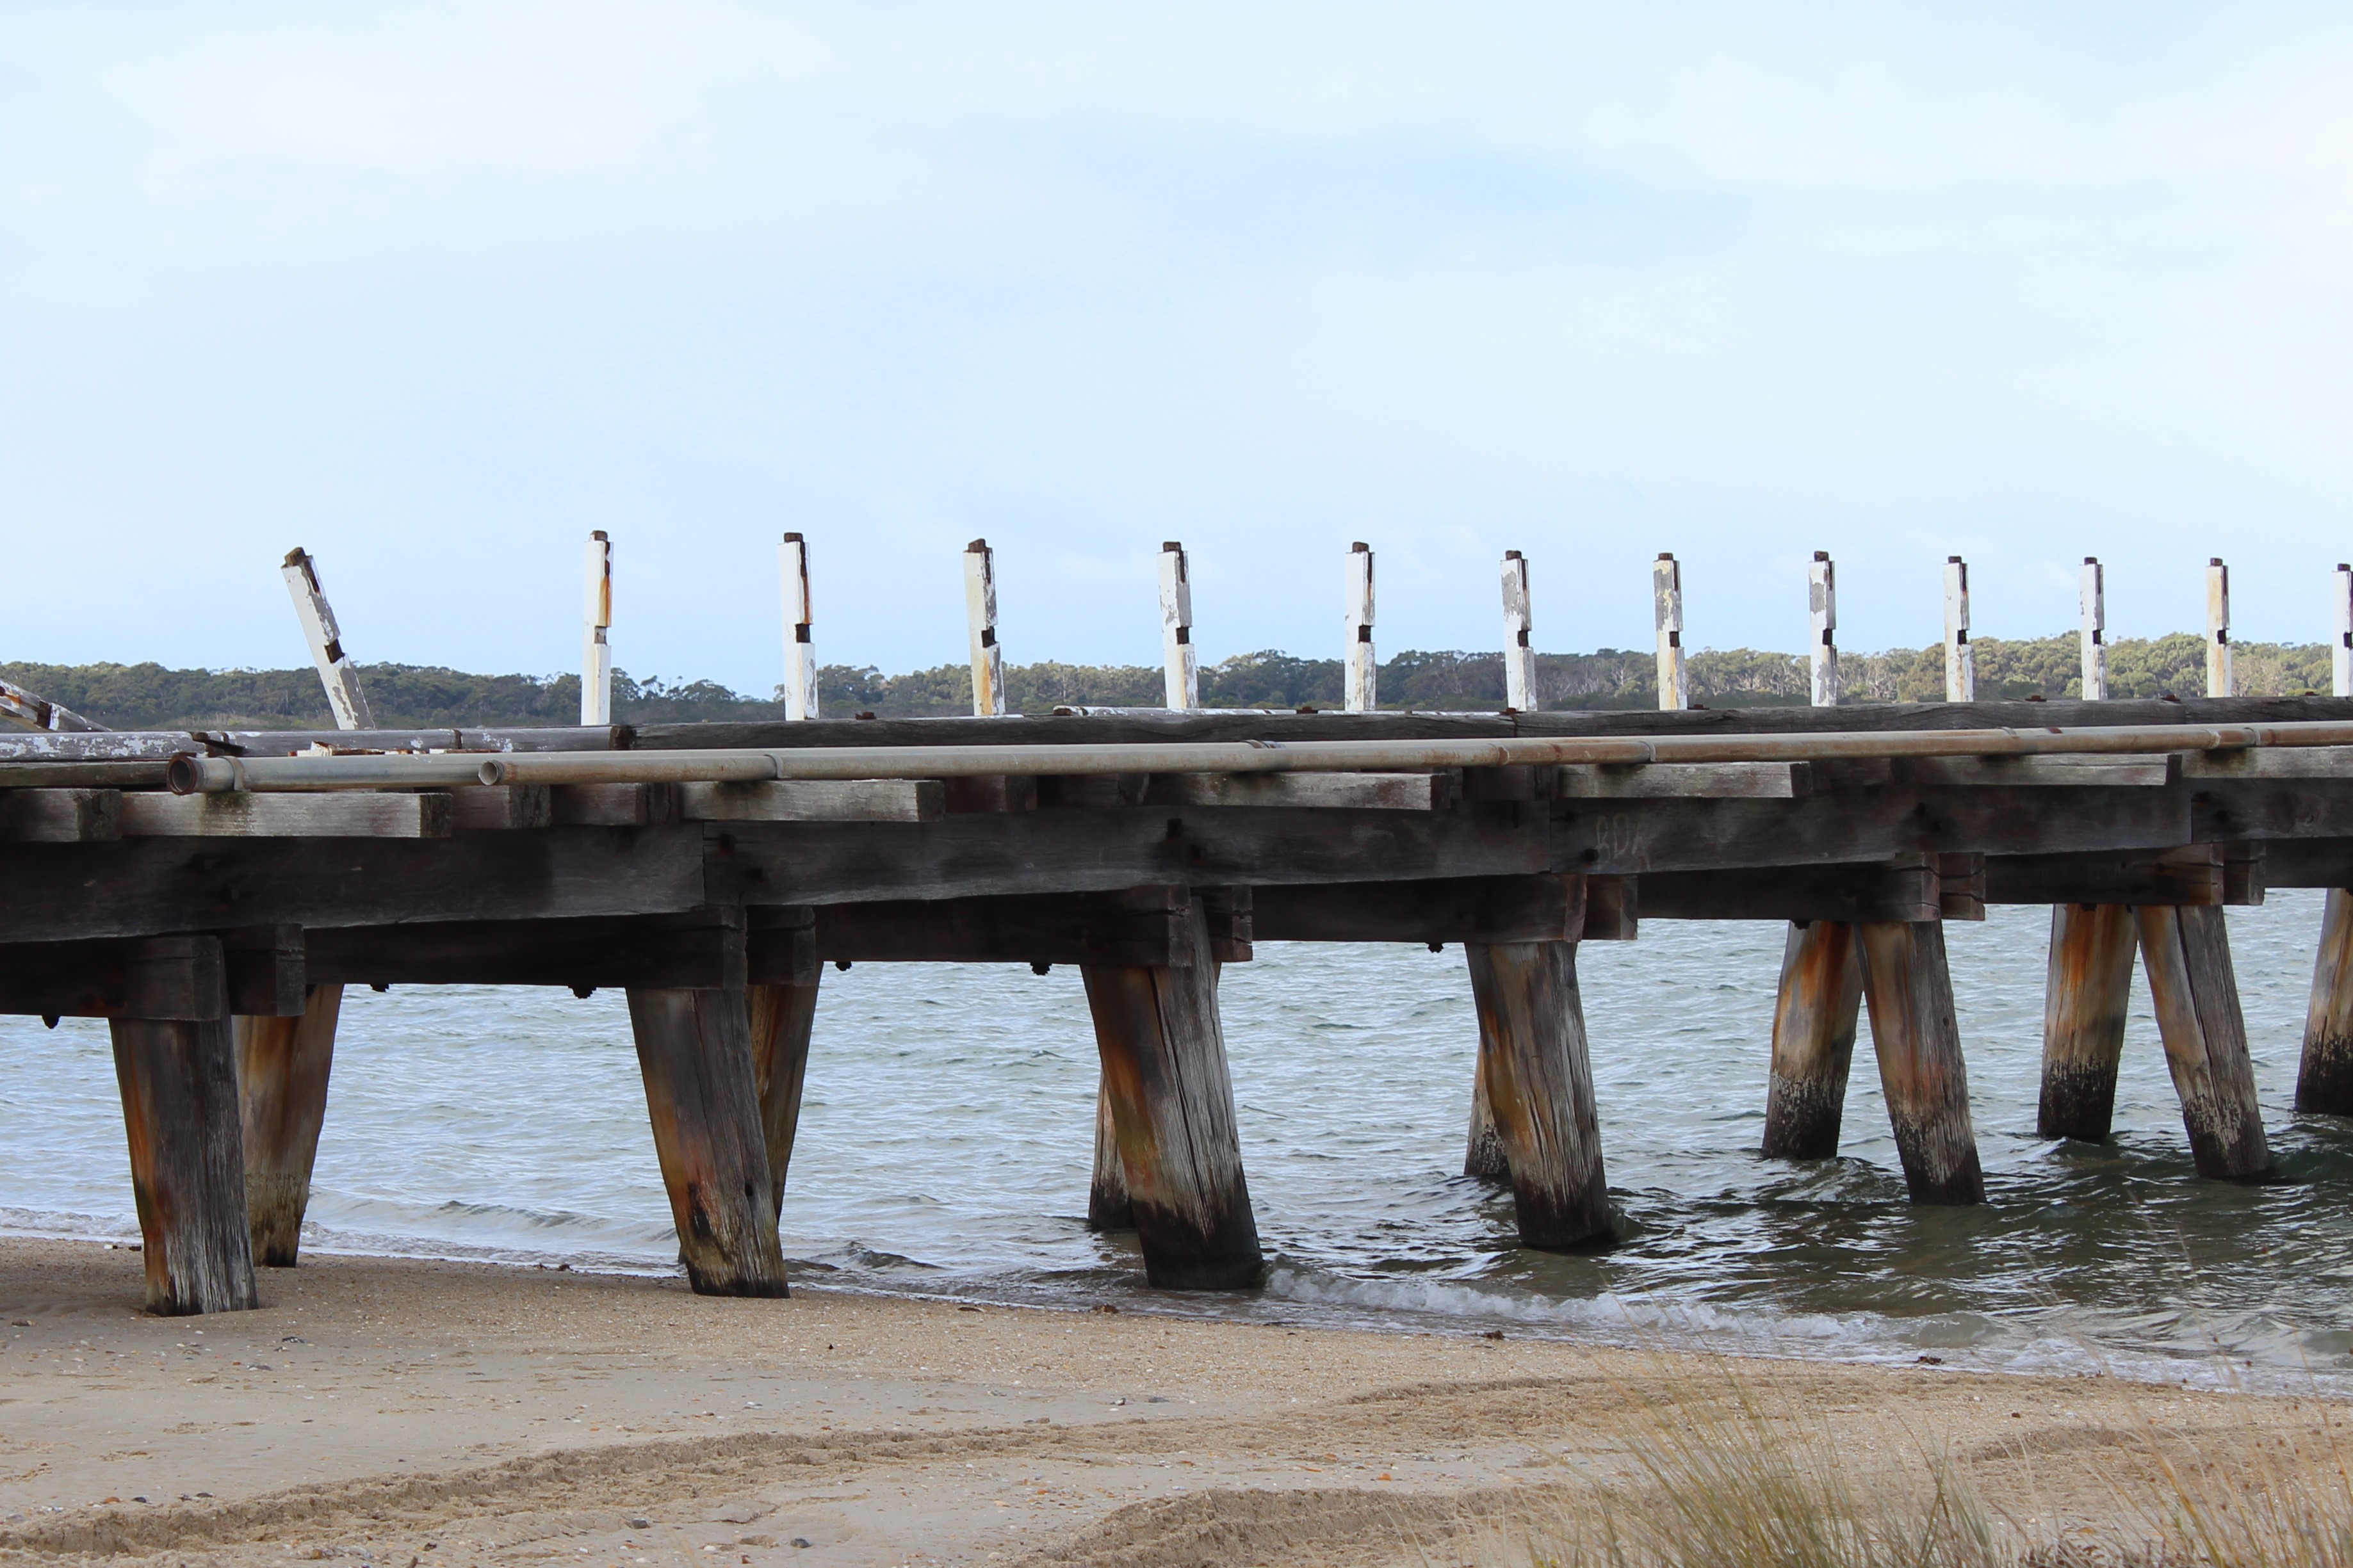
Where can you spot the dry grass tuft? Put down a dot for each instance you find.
(1724, 1474)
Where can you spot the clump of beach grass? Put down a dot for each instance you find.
(1723, 1472)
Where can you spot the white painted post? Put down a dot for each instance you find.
(1667, 614)
(2094, 602)
(1363, 674)
(1960, 660)
(1519, 657)
(2218, 629)
(2340, 655)
(596, 649)
(1822, 603)
(800, 653)
(980, 612)
(336, 671)
(1180, 666)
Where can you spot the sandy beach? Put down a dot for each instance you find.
(388, 1411)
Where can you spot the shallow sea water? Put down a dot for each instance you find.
(947, 1138)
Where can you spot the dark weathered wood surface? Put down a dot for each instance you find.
(2085, 997)
(1544, 908)
(781, 1017)
(282, 1066)
(187, 1165)
(1909, 989)
(694, 1050)
(1815, 1012)
(55, 893)
(2323, 1077)
(2191, 874)
(76, 815)
(1135, 926)
(1638, 836)
(175, 977)
(1172, 1104)
(696, 948)
(1540, 1090)
(1817, 893)
(2185, 953)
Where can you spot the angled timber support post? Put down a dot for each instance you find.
(1814, 1017)
(1172, 1111)
(2092, 597)
(781, 1018)
(282, 1065)
(178, 1078)
(2324, 1081)
(1519, 650)
(1180, 663)
(1961, 659)
(800, 652)
(694, 1048)
(1667, 616)
(980, 617)
(2083, 1004)
(1108, 1205)
(1539, 1085)
(1362, 693)
(1918, 1038)
(2186, 953)
(1484, 1157)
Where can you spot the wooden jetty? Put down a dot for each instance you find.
(211, 894)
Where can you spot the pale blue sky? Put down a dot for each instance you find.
(434, 290)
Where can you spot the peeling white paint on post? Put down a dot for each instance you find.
(1821, 605)
(1180, 664)
(1364, 675)
(980, 611)
(2340, 652)
(800, 652)
(2218, 629)
(596, 649)
(1519, 657)
(1667, 611)
(2094, 602)
(1960, 660)
(336, 671)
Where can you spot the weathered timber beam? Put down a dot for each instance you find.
(2271, 809)
(2046, 773)
(698, 950)
(170, 978)
(1102, 851)
(1137, 926)
(1913, 888)
(1545, 908)
(20, 775)
(19, 706)
(356, 815)
(612, 805)
(2260, 762)
(141, 887)
(1634, 837)
(1354, 791)
(502, 808)
(2193, 874)
(269, 971)
(816, 800)
(2308, 863)
(60, 816)
(1612, 909)
(1704, 781)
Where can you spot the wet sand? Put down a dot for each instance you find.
(386, 1410)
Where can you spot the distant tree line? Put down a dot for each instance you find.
(150, 697)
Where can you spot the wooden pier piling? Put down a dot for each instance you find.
(1519, 650)
(178, 1078)
(2324, 1079)
(1108, 1205)
(2091, 593)
(780, 1017)
(2084, 1000)
(1814, 1018)
(1172, 1112)
(1909, 989)
(1361, 692)
(2186, 952)
(694, 1048)
(1484, 1156)
(1539, 1085)
(282, 1065)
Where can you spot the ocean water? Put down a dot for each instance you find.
(946, 1137)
